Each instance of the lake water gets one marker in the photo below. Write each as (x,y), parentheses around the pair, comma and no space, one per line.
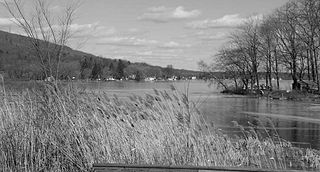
(297,122)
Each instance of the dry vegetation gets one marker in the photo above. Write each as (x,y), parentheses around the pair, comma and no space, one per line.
(67,129)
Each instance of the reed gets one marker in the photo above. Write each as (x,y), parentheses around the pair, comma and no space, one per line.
(67,129)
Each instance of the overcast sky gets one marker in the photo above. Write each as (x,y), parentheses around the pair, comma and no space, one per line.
(158,32)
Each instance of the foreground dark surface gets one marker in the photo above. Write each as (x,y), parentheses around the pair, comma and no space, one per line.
(158,168)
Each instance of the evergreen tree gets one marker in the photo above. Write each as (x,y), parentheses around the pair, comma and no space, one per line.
(96,71)
(139,75)
(120,70)
(1,60)
(111,69)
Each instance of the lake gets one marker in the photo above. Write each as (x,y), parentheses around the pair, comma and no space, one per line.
(297,122)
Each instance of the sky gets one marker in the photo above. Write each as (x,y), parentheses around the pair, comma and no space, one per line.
(158,32)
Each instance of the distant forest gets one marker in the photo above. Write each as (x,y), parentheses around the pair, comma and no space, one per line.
(17,62)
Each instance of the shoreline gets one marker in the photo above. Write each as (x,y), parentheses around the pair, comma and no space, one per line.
(291,95)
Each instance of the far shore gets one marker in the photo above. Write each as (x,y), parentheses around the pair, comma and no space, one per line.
(291,95)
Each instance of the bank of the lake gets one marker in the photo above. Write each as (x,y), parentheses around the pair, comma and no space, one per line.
(69,129)
(221,109)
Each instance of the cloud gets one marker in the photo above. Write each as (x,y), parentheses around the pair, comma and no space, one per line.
(135,41)
(89,30)
(174,45)
(93,30)
(164,14)
(227,21)
(126,41)
(180,13)
(98,31)
(205,35)
(81,31)
(211,36)
(56,8)
(158,9)
(8,1)
(132,32)
(6,22)
(157,53)
(9,21)
(145,53)
(215,37)
(77,30)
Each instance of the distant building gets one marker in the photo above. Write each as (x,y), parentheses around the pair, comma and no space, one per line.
(173,78)
(132,77)
(111,79)
(49,79)
(150,79)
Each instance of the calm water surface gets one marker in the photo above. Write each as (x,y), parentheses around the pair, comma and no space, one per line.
(297,122)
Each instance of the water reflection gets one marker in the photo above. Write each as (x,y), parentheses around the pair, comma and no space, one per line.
(303,132)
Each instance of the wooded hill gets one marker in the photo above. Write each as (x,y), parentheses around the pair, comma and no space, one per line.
(17,62)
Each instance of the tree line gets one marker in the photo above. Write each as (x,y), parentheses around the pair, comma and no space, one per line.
(103,69)
(288,40)
(43,53)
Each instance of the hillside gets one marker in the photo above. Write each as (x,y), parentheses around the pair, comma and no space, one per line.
(17,62)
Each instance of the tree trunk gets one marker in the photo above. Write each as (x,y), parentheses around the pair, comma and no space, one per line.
(236,83)
(313,76)
(267,73)
(276,67)
(294,74)
(270,70)
(317,70)
(308,65)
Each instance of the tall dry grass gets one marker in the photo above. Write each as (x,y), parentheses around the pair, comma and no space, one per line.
(66,129)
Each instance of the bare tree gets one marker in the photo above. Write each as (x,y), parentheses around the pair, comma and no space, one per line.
(48,32)
(247,42)
(289,44)
(235,63)
(240,61)
(287,39)
(267,46)
(270,48)
(308,31)
(211,69)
